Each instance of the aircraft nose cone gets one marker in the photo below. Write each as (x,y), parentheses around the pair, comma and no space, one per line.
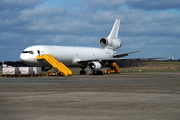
(26,57)
(23,57)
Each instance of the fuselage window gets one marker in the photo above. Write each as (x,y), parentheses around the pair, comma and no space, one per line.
(30,52)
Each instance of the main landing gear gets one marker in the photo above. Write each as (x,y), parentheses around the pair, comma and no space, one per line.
(84,72)
(113,68)
(100,72)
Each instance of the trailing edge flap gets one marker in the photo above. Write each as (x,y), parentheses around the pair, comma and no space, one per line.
(124,54)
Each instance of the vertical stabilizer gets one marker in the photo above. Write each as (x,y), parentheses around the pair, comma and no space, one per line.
(115,30)
(112,41)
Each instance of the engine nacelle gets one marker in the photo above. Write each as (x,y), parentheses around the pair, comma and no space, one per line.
(114,43)
(94,66)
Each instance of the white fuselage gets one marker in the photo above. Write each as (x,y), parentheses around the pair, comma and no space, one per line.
(66,54)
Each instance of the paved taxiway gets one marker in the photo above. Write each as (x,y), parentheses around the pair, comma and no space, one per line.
(116,96)
(85,79)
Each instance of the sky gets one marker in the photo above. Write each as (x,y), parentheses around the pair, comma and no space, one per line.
(149,25)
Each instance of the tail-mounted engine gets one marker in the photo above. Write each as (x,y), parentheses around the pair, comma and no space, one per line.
(94,66)
(114,43)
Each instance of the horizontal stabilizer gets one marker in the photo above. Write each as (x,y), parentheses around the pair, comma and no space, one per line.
(124,54)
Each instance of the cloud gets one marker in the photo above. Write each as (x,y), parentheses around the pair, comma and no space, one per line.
(18,4)
(141,29)
(90,5)
(95,5)
(154,4)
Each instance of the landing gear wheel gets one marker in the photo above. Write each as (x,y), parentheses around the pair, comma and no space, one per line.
(100,72)
(82,72)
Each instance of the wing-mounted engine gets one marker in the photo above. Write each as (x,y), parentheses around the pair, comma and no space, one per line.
(111,43)
(94,66)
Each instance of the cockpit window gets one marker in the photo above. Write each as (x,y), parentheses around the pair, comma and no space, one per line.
(30,52)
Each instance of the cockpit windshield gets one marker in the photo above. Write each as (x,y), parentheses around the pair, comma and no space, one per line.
(30,52)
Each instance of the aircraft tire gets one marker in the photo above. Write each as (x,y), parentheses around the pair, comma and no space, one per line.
(82,72)
(100,72)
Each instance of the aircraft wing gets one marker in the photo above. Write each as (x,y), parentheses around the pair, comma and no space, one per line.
(83,61)
(116,59)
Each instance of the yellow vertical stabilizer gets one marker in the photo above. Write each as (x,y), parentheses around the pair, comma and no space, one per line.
(56,64)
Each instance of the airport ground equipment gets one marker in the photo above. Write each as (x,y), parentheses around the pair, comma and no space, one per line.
(114,68)
(54,72)
(65,71)
(21,75)
(21,72)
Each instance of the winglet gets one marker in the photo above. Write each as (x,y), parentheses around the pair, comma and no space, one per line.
(174,54)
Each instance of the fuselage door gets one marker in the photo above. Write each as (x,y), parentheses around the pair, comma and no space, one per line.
(39,54)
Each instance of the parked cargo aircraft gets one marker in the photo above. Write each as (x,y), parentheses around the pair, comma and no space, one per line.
(85,57)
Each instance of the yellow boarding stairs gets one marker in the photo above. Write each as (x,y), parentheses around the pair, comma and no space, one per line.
(56,64)
(114,68)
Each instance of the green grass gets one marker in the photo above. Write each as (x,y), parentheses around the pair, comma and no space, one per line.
(132,70)
(161,64)
(154,67)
